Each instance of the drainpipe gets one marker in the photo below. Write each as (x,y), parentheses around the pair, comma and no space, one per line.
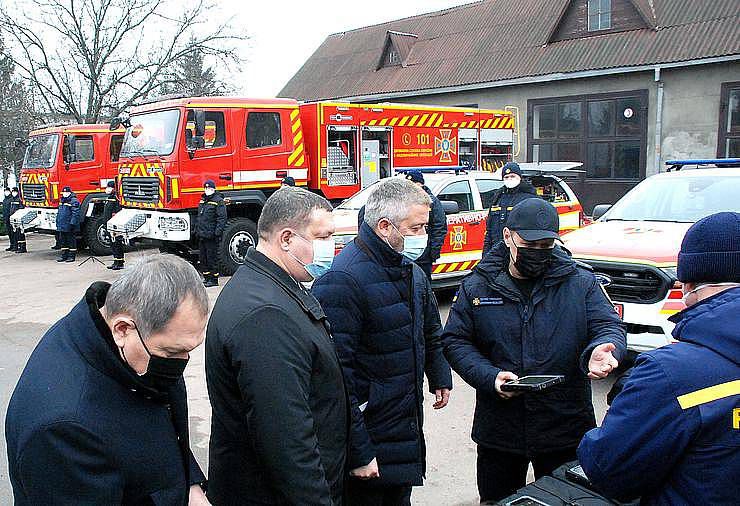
(658,119)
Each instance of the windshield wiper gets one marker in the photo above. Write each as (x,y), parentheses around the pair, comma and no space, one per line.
(141,153)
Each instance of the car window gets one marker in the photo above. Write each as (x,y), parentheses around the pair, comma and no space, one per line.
(487,187)
(459,192)
(550,189)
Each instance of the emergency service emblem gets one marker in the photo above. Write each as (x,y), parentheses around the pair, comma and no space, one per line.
(446,146)
(458,238)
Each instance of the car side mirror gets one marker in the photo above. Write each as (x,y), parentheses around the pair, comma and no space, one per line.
(450,206)
(199,118)
(68,150)
(600,210)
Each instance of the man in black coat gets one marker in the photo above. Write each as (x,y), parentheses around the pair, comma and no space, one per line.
(436,228)
(110,208)
(386,327)
(211,224)
(528,309)
(18,237)
(504,199)
(100,414)
(280,411)
(7,197)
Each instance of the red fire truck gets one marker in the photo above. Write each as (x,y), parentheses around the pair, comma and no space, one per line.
(248,146)
(83,157)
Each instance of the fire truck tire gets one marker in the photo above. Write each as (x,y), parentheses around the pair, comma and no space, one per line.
(239,235)
(95,236)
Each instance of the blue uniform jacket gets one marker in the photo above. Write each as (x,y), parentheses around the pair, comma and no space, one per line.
(68,214)
(493,327)
(386,326)
(82,429)
(673,435)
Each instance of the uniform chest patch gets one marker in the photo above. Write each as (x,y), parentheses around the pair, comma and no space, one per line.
(488,301)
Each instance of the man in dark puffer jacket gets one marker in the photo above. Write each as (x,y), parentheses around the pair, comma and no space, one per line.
(386,326)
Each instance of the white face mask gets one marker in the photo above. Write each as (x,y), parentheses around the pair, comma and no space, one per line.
(210,191)
(512,182)
(65,194)
(702,287)
(413,245)
(109,190)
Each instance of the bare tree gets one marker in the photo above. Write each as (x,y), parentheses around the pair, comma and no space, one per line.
(193,77)
(94,58)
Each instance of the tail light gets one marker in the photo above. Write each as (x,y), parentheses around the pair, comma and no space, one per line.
(674,301)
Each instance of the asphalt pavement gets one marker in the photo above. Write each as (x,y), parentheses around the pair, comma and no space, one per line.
(36,291)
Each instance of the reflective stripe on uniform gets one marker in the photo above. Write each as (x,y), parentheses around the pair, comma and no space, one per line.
(709,394)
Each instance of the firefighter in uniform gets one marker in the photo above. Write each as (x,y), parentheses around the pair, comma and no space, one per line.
(112,206)
(6,219)
(18,238)
(504,199)
(211,223)
(68,223)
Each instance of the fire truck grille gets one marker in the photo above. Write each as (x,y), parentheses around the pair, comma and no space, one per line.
(640,284)
(144,190)
(34,193)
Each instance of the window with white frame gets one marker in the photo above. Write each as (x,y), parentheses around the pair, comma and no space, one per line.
(599,15)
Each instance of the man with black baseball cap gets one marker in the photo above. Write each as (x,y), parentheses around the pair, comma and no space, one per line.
(672,436)
(529,309)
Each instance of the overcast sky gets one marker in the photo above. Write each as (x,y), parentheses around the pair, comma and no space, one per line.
(284,33)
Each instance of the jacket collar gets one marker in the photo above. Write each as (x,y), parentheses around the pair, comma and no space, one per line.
(295,290)
(95,343)
(379,250)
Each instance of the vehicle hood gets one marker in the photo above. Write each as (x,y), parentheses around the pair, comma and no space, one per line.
(345,221)
(651,241)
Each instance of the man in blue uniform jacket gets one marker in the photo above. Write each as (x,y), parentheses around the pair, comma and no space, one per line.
(672,436)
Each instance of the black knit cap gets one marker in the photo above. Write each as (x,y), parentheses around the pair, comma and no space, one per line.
(511,168)
(209,184)
(67,189)
(710,251)
(111,184)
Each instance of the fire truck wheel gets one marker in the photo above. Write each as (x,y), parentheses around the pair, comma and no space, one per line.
(239,235)
(96,237)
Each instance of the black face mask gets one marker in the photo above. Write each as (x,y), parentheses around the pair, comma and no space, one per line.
(532,262)
(162,372)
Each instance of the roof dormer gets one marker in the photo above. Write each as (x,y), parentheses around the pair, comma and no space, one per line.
(587,18)
(396,49)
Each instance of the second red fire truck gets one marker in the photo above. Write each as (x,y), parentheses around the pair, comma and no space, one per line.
(248,146)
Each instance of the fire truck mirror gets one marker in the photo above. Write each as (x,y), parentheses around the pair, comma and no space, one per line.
(200,123)
(20,143)
(450,206)
(115,123)
(68,150)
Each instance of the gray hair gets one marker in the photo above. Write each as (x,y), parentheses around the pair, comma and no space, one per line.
(392,199)
(152,288)
(289,207)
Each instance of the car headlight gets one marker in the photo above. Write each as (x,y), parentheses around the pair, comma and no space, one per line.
(172,223)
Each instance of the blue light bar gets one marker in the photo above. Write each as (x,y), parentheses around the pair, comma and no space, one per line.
(707,161)
(455,168)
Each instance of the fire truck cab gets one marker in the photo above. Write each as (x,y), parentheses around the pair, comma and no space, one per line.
(247,146)
(83,157)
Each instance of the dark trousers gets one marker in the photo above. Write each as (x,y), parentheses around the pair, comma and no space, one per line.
(116,247)
(360,493)
(19,239)
(11,233)
(209,256)
(500,474)
(68,242)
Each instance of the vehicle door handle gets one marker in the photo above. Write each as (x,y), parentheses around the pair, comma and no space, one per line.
(224,176)
(475,222)
(94,183)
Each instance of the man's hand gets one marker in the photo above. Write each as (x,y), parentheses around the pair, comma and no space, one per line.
(502,378)
(197,497)
(602,361)
(442,398)
(366,472)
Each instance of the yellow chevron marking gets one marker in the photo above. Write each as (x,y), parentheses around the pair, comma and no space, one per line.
(383,121)
(413,120)
(422,120)
(296,126)
(393,122)
(439,121)
(465,265)
(373,122)
(403,121)
(432,119)
(296,153)
(453,267)
(488,123)
(294,115)
(300,161)
(439,268)
(709,394)
(297,137)
(454,125)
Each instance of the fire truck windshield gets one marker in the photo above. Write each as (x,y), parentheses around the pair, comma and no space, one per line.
(41,152)
(152,133)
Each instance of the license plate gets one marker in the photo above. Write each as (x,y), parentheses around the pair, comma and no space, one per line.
(619,308)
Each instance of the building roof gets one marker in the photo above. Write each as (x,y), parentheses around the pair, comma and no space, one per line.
(503,40)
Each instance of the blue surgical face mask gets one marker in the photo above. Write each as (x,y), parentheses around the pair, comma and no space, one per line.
(323,256)
(413,245)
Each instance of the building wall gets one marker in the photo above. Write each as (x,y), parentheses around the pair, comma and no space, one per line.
(690,119)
